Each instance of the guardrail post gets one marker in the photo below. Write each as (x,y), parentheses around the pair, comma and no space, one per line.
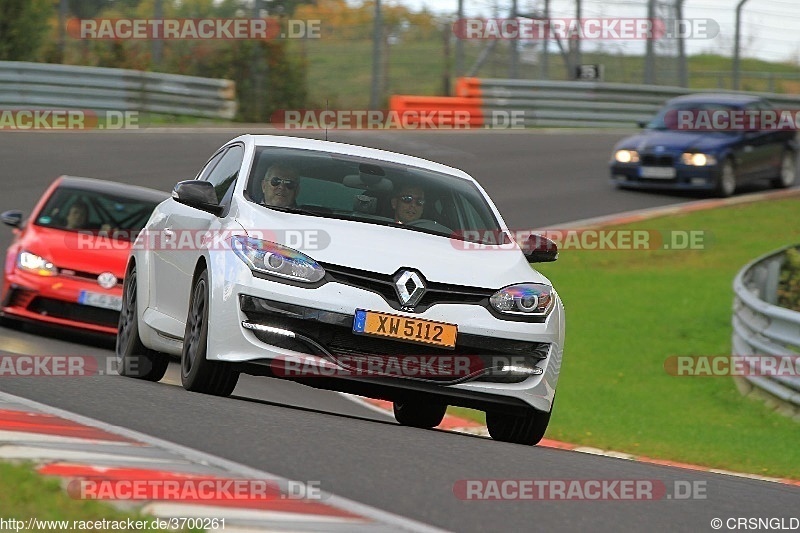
(650,58)
(770,294)
(737,44)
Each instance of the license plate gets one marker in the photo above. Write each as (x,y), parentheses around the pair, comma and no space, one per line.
(97,299)
(660,173)
(405,329)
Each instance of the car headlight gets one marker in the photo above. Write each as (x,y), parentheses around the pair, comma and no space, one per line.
(698,160)
(527,299)
(626,156)
(272,258)
(36,264)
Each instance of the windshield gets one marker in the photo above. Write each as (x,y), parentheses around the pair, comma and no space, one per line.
(369,190)
(667,117)
(75,209)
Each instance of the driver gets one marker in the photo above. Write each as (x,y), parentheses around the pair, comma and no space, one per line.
(408,204)
(280,186)
(78,215)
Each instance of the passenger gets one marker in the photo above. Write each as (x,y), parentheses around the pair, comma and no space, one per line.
(408,204)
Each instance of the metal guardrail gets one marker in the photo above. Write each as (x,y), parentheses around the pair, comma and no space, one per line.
(583,104)
(44,86)
(762,328)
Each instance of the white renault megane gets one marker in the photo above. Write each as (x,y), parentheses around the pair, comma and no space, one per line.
(350,269)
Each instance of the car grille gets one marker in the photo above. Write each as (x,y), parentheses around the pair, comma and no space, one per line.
(383,284)
(83,276)
(74,311)
(333,332)
(652,160)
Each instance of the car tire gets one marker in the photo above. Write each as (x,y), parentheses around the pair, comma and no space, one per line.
(198,374)
(518,429)
(788,173)
(726,183)
(134,359)
(419,414)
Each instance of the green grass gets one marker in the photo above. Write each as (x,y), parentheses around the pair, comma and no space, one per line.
(24,494)
(628,311)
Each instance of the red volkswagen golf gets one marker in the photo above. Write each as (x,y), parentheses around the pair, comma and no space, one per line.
(66,262)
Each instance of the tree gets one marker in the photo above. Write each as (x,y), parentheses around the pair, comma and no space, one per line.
(23,24)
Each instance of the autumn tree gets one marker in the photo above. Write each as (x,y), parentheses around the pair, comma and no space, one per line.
(23,25)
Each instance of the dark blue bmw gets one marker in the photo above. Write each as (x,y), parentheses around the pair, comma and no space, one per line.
(667,155)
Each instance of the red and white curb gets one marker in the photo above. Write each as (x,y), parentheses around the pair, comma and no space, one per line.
(457,424)
(78,449)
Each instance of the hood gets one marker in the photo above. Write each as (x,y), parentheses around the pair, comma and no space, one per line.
(79,252)
(676,141)
(386,249)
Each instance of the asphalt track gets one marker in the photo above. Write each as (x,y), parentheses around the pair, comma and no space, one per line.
(537,179)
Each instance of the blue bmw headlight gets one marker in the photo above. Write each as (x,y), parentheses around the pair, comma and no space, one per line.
(527,299)
(626,156)
(698,159)
(272,258)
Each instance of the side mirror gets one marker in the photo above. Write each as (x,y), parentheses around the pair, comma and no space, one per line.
(540,249)
(198,194)
(11,218)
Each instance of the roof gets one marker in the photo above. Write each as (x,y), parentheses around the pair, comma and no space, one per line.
(716,98)
(111,187)
(353,150)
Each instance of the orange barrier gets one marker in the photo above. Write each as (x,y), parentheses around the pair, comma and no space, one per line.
(438,111)
(468,87)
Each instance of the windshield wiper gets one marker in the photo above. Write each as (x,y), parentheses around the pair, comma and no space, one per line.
(289,209)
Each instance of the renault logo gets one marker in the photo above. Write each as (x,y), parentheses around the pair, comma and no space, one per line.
(409,287)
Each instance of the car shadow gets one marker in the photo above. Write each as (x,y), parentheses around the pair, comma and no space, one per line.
(65,334)
(747,188)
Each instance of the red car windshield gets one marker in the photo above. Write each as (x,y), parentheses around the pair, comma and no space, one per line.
(80,210)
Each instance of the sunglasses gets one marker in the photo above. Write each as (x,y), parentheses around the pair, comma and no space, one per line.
(408,199)
(287,182)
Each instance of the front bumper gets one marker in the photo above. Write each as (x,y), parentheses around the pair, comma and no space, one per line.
(55,301)
(325,315)
(687,178)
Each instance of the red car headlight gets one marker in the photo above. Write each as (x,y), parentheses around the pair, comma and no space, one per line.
(35,264)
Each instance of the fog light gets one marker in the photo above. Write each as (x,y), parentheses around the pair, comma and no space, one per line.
(524,370)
